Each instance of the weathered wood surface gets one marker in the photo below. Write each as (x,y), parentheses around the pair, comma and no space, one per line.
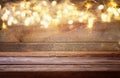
(59,61)
(62,54)
(80,46)
(58,68)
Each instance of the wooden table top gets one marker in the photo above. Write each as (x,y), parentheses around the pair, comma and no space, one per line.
(49,61)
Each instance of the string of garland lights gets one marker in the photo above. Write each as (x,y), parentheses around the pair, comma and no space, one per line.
(51,14)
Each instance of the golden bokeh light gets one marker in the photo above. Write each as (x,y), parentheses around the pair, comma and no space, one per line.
(101,7)
(4,26)
(52,14)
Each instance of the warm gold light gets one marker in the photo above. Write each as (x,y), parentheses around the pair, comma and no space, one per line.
(70,22)
(27,22)
(15,21)
(80,20)
(45,14)
(54,3)
(10,21)
(119,10)
(4,26)
(101,7)
(44,3)
(13,8)
(88,5)
(45,24)
(90,22)
(23,14)
(17,12)
(22,5)
(0,7)
(112,3)
(113,11)
(105,17)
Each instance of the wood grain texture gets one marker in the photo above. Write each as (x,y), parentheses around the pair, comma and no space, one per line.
(58,68)
(58,60)
(48,61)
(62,53)
(80,46)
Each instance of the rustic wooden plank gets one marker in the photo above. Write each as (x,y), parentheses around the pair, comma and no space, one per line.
(59,60)
(63,53)
(82,46)
(63,68)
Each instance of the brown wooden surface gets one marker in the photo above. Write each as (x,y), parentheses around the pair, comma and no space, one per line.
(59,61)
(78,46)
(62,53)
